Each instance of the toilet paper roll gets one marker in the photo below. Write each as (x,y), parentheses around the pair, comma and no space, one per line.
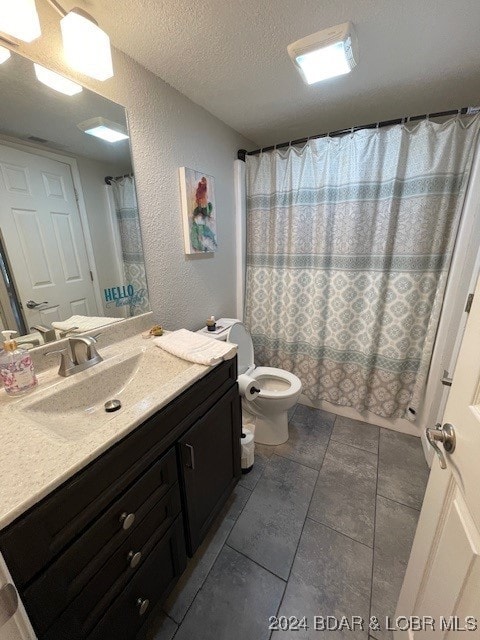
(248,449)
(248,387)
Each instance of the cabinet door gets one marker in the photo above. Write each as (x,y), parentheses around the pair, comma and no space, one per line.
(210,464)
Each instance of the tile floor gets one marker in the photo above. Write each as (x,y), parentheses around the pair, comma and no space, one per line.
(322,525)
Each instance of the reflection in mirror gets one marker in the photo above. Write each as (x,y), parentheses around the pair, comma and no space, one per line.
(71,257)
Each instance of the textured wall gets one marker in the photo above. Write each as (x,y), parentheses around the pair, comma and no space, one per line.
(167,131)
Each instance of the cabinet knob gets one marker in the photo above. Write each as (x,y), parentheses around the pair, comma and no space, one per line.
(134,558)
(127,519)
(142,605)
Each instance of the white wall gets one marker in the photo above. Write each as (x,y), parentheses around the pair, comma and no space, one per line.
(167,131)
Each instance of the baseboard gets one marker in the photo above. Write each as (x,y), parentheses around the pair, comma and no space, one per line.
(397,424)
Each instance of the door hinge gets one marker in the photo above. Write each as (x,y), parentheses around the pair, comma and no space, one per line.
(468,306)
(76,194)
(91,276)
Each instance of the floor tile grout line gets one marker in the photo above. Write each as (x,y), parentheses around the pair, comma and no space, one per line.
(349,444)
(328,526)
(409,506)
(179,624)
(304,521)
(374,530)
(296,549)
(242,553)
(297,462)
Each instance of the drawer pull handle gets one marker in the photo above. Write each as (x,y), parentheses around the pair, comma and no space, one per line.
(192,456)
(134,558)
(127,519)
(142,605)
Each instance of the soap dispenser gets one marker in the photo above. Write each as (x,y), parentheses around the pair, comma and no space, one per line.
(16,367)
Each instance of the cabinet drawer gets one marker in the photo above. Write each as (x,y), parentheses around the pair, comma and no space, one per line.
(51,592)
(153,582)
(87,608)
(36,538)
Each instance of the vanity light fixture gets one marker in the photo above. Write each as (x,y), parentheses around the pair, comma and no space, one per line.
(104,129)
(325,54)
(19,19)
(86,46)
(4,54)
(56,81)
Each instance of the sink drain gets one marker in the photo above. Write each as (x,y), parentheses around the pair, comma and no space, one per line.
(112,405)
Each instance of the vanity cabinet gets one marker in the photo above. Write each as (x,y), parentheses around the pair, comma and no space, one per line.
(94,557)
(210,465)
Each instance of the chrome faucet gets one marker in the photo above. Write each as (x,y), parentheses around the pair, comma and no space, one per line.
(80,354)
(84,351)
(48,334)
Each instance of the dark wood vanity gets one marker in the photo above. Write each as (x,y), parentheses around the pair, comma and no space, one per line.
(93,559)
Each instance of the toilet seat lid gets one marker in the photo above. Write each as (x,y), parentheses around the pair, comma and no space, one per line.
(239,335)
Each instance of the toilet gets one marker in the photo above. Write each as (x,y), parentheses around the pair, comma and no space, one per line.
(279,389)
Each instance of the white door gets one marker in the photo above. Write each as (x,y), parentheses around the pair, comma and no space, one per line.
(442,580)
(43,235)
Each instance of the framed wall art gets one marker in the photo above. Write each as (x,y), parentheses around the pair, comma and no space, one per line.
(197,191)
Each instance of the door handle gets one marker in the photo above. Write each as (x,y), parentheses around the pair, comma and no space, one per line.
(31,304)
(444,435)
(192,456)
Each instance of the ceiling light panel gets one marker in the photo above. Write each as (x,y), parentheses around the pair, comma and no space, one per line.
(104,129)
(325,54)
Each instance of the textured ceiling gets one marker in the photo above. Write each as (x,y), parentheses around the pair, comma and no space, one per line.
(32,109)
(416,56)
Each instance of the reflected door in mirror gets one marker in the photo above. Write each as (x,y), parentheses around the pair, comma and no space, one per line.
(41,227)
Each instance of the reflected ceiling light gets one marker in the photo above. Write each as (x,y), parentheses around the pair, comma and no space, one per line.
(104,129)
(4,54)
(56,81)
(325,54)
(19,18)
(86,46)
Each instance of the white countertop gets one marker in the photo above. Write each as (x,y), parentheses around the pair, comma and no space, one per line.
(35,460)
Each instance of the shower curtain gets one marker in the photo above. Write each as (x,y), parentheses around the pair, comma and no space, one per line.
(126,210)
(349,242)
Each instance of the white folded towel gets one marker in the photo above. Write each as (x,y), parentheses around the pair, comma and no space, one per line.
(196,347)
(83,323)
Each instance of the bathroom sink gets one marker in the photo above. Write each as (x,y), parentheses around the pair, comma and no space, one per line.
(74,407)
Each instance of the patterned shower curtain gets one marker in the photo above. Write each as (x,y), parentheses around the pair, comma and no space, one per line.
(349,242)
(126,210)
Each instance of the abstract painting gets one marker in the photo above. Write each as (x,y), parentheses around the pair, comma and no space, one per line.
(197,191)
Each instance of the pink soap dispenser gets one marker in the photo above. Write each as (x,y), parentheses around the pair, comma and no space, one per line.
(16,367)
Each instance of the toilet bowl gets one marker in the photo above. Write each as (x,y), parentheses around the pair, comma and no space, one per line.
(279,390)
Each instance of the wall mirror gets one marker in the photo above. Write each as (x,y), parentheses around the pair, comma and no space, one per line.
(71,257)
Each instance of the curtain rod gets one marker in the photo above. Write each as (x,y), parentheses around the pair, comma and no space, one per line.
(108,179)
(243,153)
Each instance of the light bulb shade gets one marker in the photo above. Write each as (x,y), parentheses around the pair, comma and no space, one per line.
(4,54)
(19,18)
(56,81)
(325,54)
(86,46)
